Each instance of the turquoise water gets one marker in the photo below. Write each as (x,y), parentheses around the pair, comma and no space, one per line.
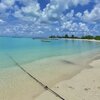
(25,50)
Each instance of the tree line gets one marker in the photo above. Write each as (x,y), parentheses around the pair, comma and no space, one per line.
(76,37)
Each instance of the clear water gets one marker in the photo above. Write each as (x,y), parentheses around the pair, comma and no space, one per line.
(25,50)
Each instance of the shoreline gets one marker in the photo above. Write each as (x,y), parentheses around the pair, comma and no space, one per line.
(66,69)
(92,40)
(83,86)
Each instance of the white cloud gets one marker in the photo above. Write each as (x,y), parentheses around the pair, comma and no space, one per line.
(32,9)
(83,27)
(55,8)
(8,3)
(2,7)
(79,15)
(94,15)
(51,18)
(2,21)
(74,27)
(30,12)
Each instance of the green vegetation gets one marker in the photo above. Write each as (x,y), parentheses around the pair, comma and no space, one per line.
(97,38)
(52,36)
(87,37)
(74,37)
(65,36)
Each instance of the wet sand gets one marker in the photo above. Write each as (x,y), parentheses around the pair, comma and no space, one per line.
(63,71)
(83,86)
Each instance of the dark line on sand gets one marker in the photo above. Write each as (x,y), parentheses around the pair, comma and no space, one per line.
(43,85)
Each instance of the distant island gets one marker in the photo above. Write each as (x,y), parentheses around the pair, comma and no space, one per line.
(76,37)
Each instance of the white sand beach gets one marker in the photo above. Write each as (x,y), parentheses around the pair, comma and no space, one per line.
(71,78)
(83,86)
(49,49)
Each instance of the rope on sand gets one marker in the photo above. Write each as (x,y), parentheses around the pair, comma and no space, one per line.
(39,82)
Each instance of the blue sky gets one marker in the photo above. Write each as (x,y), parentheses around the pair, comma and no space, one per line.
(39,18)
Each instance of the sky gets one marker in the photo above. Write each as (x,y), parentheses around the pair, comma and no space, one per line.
(42,18)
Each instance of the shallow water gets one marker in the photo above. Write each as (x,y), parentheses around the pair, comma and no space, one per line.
(25,50)
(50,62)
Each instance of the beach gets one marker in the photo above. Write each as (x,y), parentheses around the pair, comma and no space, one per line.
(71,69)
(83,86)
(76,81)
(49,49)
